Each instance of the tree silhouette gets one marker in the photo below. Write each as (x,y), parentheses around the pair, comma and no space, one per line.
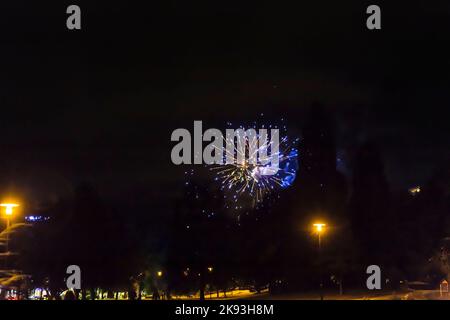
(80,231)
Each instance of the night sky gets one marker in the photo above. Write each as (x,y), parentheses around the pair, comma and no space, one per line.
(100,104)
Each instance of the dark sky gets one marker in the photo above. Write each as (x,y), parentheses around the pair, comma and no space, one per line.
(100,104)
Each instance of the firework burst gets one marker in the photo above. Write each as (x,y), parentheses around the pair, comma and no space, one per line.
(246,185)
(256,179)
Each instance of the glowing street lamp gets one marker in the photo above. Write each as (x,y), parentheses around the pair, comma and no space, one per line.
(159,274)
(210,269)
(8,213)
(9,208)
(319,228)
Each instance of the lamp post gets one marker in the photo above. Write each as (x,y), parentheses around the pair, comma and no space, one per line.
(8,214)
(319,228)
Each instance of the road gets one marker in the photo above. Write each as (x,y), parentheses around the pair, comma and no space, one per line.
(410,295)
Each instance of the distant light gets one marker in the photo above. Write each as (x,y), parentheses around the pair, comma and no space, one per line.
(159,273)
(414,191)
(36,218)
(210,269)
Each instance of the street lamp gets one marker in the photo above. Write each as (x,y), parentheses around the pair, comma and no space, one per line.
(9,208)
(159,274)
(319,228)
(8,213)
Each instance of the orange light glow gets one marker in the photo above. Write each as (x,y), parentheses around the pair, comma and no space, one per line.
(319,227)
(9,207)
